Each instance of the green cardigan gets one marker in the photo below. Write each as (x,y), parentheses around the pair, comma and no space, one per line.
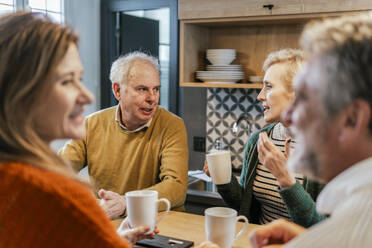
(298,199)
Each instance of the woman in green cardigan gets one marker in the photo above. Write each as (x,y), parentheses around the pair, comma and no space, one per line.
(267,191)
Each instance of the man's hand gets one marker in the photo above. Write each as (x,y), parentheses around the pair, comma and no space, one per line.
(132,235)
(276,234)
(112,203)
(274,160)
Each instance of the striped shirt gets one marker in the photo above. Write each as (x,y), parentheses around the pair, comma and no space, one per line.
(265,185)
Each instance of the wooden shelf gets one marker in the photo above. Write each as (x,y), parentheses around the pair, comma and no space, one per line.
(252,44)
(253,35)
(222,85)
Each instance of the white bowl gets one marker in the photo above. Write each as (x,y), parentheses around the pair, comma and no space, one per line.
(220,54)
(221,51)
(221,60)
(220,72)
(221,57)
(223,68)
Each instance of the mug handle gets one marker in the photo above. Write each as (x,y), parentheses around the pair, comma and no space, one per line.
(166,211)
(241,217)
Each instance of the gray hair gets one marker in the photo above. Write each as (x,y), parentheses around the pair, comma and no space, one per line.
(293,57)
(121,66)
(344,47)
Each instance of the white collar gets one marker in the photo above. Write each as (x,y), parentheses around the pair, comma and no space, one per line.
(281,132)
(357,177)
(120,123)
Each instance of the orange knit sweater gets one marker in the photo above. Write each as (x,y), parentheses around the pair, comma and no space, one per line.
(39,208)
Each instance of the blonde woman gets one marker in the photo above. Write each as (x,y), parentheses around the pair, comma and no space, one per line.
(42,98)
(267,191)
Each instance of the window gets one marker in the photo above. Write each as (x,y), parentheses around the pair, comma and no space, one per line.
(53,8)
(6,6)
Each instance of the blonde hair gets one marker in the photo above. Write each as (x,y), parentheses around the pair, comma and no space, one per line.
(343,46)
(294,59)
(31,48)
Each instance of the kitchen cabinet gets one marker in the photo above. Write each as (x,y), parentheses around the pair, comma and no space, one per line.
(197,9)
(253,37)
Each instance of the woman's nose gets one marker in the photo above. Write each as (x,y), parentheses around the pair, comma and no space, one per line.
(261,95)
(87,95)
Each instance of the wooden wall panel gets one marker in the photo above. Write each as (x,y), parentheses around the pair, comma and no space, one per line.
(196,9)
(252,43)
(193,43)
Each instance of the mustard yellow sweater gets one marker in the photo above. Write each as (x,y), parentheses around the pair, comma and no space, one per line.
(154,158)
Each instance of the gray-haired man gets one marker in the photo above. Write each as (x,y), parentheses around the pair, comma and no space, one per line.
(136,144)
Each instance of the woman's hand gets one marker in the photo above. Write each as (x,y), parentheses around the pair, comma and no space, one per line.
(205,168)
(274,160)
(132,235)
(276,234)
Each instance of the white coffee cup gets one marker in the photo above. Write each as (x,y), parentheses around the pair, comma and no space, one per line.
(220,225)
(219,165)
(142,208)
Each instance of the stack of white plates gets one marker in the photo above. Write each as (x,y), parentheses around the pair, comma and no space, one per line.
(221,71)
(224,67)
(221,56)
(220,76)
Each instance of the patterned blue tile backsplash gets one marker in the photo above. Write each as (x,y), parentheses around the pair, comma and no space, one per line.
(224,107)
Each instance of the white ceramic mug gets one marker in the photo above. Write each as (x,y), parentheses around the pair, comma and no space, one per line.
(220,225)
(142,208)
(219,165)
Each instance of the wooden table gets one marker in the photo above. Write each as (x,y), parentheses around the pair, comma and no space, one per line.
(191,227)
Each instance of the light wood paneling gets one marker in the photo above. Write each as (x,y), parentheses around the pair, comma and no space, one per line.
(196,9)
(193,43)
(252,42)
(191,9)
(253,37)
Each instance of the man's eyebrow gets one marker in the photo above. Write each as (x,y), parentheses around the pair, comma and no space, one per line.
(145,86)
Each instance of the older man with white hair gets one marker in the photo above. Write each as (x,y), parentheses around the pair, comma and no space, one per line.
(332,120)
(136,144)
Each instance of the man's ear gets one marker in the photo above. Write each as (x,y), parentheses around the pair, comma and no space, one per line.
(355,120)
(116,90)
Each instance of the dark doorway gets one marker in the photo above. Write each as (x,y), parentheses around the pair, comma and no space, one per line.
(150,26)
(138,33)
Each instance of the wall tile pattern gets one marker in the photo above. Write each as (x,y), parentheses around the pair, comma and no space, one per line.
(224,106)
